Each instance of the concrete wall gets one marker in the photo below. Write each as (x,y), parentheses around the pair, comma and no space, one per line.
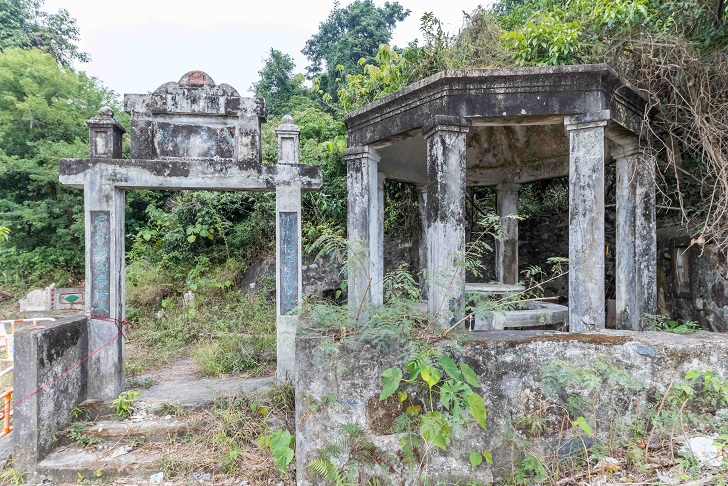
(42,354)
(338,385)
(692,281)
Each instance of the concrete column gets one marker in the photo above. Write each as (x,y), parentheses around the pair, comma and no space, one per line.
(636,238)
(365,227)
(646,237)
(506,249)
(105,284)
(288,277)
(377,242)
(422,205)
(104,208)
(289,283)
(586,220)
(445,218)
(626,279)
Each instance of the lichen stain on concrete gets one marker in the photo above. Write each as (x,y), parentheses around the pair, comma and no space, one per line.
(381,415)
(56,345)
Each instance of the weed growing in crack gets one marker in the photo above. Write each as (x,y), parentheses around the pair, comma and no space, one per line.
(124,405)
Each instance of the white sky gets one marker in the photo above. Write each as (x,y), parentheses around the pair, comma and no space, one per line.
(141,44)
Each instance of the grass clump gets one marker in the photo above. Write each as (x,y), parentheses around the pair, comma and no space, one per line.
(228,440)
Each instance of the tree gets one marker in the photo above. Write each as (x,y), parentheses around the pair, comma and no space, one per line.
(24,25)
(348,35)
(42,111)
(277,82)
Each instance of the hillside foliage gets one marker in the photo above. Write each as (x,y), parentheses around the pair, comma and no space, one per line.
(674,51)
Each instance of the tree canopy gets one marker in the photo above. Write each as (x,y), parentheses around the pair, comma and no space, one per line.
(277,83)
(349,34)
(23,24)
(42,112)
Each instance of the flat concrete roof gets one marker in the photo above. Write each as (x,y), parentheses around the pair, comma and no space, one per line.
(517,119)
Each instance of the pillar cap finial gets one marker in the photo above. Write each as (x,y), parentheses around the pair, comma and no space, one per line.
(287,125)
(626,148)
(105,118)
(508,186)
(445,122)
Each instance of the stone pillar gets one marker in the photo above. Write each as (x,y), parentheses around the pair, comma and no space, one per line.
(586,220)
(636,237)
(365,228)
(422,205)
(506,249)
(104,207)
(289,285)
(445,218)
(377,243)
(626,279)
(646,237)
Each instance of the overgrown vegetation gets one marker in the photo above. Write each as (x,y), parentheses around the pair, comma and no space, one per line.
(234,439)
(223,330)
(606,429)
(123,406)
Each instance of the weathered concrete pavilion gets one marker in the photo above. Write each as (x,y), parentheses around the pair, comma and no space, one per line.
(503,128)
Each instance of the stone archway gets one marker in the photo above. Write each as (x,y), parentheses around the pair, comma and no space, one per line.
(190,135)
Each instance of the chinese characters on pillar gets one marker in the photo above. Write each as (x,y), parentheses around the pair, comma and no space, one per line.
(289,262)
(100,263)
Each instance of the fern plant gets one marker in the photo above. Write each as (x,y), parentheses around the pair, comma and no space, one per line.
(353,447)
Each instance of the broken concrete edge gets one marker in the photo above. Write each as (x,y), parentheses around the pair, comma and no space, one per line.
(51,378)
(485,93)
(340,386)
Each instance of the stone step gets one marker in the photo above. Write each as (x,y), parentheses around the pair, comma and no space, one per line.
(72,465)
(159,430)
(104,410)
